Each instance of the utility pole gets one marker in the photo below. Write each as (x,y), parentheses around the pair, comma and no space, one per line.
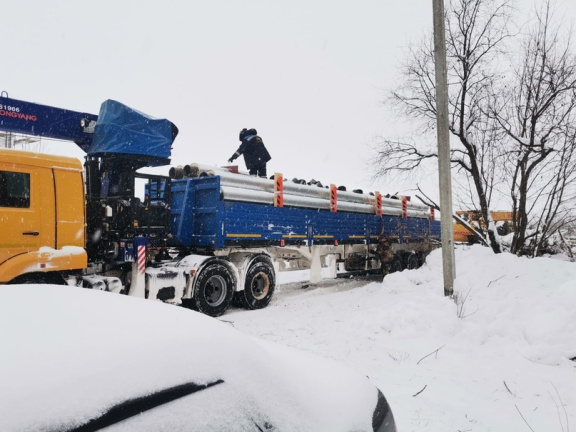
(443,135)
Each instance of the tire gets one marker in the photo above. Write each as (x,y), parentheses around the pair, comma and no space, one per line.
(397,264)
(52,278)
(412,261)
(259,286)
(126,279)
(214,289)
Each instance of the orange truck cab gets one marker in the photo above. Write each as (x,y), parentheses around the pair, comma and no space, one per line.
(42,216)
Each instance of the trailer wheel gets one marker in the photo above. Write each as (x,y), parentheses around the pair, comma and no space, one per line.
(213,290)
(259,286)
(412,261)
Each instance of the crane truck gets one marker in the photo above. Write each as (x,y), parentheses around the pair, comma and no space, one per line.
(200,237)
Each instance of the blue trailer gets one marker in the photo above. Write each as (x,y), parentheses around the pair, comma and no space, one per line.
(236,240)
(201,219)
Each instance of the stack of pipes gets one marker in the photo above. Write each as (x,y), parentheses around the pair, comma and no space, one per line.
(246,188)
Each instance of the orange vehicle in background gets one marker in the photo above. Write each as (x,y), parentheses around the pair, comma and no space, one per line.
(474,218)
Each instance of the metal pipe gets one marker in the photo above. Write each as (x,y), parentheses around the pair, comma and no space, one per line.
(176,172)
(257,183)
(262,197)
(196,170)
(253,183)
(191,171)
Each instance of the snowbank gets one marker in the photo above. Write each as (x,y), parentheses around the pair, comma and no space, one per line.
(494,360)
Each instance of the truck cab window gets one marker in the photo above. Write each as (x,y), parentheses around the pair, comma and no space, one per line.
(14,189)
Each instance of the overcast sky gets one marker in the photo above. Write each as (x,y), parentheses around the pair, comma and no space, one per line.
(308,75)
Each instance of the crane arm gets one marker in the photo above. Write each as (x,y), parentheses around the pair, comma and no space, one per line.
(46,121)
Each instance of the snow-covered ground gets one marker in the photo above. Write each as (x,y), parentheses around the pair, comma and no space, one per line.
(497,361)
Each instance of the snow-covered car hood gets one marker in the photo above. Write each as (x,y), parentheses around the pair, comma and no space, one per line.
(69,355)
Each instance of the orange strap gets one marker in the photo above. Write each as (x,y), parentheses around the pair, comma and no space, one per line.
(278,190)
(333,198)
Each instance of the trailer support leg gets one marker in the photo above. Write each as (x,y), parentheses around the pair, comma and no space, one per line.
(332,265)
(315,266)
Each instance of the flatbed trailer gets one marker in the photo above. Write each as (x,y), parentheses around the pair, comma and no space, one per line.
(235,229)
(202,219)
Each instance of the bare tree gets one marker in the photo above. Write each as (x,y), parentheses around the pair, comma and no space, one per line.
(476,31)
(537,111)
(555,210)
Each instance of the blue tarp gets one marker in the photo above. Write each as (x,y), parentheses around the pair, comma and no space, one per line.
(123,130)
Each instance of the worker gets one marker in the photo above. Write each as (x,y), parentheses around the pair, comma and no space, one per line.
(255,154)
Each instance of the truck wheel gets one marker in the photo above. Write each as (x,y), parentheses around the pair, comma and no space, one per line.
(259,286)
(412,262)
(397,264)
(53,278)
(213,290)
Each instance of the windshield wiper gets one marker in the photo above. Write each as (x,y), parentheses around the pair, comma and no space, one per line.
(132,407)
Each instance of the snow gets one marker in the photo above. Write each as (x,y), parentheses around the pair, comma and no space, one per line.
(496,359)
(67,353)
(48,254)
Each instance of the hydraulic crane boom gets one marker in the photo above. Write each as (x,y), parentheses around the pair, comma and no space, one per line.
(118,142)
(47,121)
